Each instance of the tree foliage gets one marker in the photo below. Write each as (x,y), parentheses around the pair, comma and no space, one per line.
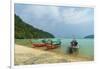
(89,36)
(26,31)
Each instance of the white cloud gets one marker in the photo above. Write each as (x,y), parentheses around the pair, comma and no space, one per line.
(75,16)
(67,15)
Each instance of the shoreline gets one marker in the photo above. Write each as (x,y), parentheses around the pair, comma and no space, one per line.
(25,55)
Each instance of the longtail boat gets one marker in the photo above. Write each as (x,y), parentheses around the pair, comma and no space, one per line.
(38,44)
(49,44)
(51,47)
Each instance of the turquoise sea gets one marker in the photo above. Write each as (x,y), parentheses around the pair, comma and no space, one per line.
(86,46)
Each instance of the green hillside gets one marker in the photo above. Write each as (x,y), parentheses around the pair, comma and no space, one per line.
(89,36)
(26,31)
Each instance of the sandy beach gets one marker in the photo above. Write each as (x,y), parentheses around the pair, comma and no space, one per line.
(26,56)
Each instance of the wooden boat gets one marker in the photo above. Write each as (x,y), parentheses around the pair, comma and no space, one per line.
(38,44)
(49,46)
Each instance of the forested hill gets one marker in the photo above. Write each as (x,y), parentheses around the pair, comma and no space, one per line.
(89,36)
(26,31)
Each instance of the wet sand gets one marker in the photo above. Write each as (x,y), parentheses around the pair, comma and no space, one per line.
(26,56)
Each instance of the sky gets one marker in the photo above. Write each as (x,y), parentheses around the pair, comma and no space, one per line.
(61,21)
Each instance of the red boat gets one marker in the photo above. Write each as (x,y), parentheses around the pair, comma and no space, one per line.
(51,46)
(38,44)
(48,46)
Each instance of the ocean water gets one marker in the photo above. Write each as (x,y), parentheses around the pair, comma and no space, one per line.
(86,46)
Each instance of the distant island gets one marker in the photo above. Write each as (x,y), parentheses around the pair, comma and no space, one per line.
(89,36)
(26,31)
